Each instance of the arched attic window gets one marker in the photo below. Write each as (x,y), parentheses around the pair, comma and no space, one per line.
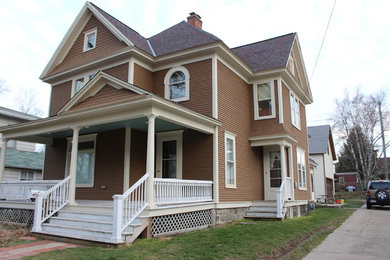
(177,84)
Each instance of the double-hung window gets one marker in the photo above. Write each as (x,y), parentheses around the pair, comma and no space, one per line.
(295,115)
(80,82)
(264,100)
(230,160)
(301,169)
(27,175)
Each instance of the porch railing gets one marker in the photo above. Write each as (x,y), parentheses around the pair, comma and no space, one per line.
(175,191)
(128,206)
(21,190)
(280,198)
(49,202)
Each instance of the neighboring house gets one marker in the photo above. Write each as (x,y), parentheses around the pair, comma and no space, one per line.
(201,132)
(322,151)
(380,163)
(22,162)
(345,179)
(313,166)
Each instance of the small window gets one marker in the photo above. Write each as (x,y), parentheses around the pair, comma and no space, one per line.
(341,180)
(27,176)
(301,169)
(90,40)
(264,100)
(295,115)
(78,85)
(177,84)
(11,144)
(230,161)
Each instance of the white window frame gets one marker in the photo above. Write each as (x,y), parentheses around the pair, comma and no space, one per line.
(341,182)
(87,77)
(86,34)
(170,136)
(27,172)
(231,136)
(82,139)
(186,82)
(301,160)
(295,111)
(256,103)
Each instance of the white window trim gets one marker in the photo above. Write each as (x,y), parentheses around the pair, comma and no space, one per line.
(232,136)
(83,138)
(187,83)
(298,125)
(83,76)
(170,136)
(291,65)
(256,103)
(86,34)
(301,152)
(28,171)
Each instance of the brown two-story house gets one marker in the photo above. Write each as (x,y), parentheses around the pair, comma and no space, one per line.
(179,127)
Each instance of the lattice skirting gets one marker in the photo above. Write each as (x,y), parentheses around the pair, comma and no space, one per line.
(23,217)
(182,222)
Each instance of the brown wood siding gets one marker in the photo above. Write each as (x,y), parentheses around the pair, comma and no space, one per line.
(109,162)
(197,156)
(266,127)
(55,160)
(60,95)
(235,110)
(106,95)
(143,78)
(200,86)
(106,44)
(120,72)
(137,155)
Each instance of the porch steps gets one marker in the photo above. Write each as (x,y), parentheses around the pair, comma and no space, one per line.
(95,227)
(265,211)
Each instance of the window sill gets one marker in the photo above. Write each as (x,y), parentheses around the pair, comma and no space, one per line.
(264,117)
(179,99)
(297,127)
(303,189)
(230,186)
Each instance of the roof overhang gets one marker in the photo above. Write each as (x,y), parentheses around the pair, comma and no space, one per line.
(271,140)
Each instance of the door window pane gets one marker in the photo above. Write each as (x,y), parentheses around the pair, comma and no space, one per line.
(275,170)
(169,159)
(84,168)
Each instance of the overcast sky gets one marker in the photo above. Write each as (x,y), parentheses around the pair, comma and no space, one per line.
(355,53)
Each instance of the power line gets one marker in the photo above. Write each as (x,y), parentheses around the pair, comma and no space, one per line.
(323,40)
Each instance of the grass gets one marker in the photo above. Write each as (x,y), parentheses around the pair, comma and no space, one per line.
(353,199)
(239,240)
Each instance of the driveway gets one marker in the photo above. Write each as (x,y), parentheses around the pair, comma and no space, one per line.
(364,235)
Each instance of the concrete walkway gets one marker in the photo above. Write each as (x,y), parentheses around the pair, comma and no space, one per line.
(15,252)
(364,235)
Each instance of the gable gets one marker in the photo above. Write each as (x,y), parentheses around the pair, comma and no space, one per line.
(106,43)
(108,94)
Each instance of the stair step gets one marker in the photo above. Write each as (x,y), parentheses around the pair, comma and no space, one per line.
(85,216)
(250,214)
(263,209)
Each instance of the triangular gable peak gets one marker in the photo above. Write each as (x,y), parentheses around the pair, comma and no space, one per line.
(100,87)
(74,31)
(296,66)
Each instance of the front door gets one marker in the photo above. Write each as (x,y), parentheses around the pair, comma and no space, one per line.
(272,173)
(169,155)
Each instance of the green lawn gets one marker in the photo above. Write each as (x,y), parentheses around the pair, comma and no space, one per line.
(239,240)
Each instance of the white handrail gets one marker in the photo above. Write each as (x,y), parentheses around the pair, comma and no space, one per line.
(21,190)
(280,198)
(176,191)
(128,206)
(49,202)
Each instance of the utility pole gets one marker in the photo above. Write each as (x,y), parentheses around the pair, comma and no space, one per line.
(383,142)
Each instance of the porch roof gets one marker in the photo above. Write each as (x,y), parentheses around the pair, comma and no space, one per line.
(126,113)
(271,140)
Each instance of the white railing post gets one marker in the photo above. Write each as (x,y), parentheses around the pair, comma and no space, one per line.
(2,158)
(117,220)
(280,200)
(150,160)
(38,213)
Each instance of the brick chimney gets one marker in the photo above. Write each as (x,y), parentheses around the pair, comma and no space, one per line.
(195,20)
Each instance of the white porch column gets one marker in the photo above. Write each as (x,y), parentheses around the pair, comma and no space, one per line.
(283,162)
(73,166)
(215,166)
(2,158)
(150,159)
(126,167)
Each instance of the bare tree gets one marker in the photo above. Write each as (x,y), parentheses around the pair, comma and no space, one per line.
(26,102)
(357,123)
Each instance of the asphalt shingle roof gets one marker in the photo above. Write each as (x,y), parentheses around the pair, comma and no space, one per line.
(268,54)
(318,139)
(24,160)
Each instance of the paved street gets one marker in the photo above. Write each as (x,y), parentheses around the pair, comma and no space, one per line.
(365,235)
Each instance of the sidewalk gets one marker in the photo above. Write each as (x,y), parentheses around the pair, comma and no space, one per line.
(364,235)
(15,252)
